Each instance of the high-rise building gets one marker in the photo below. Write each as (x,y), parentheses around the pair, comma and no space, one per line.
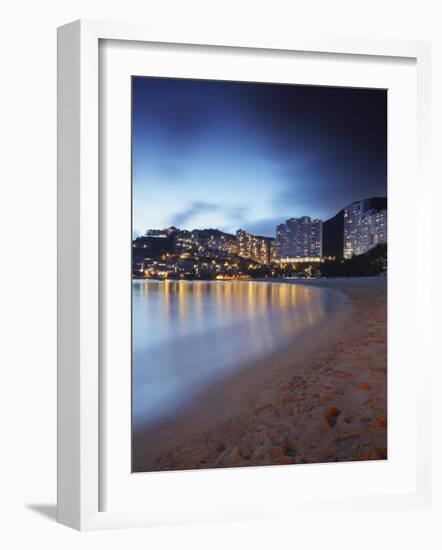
(254,247)
(374,229)
(299,238)
(316,239)
(281,241)
(365,226)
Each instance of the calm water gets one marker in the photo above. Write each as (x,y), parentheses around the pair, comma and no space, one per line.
(188,334)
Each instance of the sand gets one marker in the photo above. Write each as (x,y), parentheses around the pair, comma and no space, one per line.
(322,401)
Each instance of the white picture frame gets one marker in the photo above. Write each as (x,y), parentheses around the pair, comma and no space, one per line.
(79,293)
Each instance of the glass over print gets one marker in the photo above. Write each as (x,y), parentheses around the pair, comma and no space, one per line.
(259,261)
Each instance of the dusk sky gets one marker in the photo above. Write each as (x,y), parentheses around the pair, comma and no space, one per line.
(229,155)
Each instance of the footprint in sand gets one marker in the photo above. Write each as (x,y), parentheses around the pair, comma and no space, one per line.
(363,386)
(331,416)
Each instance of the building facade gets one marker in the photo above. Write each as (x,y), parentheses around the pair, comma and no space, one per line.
(281,241)
(374,230)
(364,227)
(299,238)
(259,249)
(316,239)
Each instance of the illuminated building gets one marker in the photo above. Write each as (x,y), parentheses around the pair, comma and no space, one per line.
(299,238)
(365,226)
(375,228)
(220,241)
(281,241)
(254,247)
(202,241)
(316,239)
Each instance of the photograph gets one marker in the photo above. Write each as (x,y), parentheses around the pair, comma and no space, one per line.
(259,274)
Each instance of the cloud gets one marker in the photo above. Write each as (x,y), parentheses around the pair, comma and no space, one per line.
(293,150)
(235,214)
(265,227)
(195,208)
(321,191)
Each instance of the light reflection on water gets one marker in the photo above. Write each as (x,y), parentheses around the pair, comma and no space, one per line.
(188,334)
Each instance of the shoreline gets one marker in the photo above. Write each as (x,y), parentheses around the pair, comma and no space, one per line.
(320,402)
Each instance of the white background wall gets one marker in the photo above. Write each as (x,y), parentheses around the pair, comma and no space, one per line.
(28,276)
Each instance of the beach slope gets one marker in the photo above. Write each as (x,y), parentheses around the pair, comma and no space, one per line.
(322,402)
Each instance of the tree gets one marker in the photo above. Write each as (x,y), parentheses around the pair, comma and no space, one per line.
(369,264)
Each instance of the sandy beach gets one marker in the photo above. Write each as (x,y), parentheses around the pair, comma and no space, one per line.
(322,401)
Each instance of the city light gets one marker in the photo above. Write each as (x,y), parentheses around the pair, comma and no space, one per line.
(295,251)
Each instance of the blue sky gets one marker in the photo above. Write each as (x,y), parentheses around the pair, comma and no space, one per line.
(227,155)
